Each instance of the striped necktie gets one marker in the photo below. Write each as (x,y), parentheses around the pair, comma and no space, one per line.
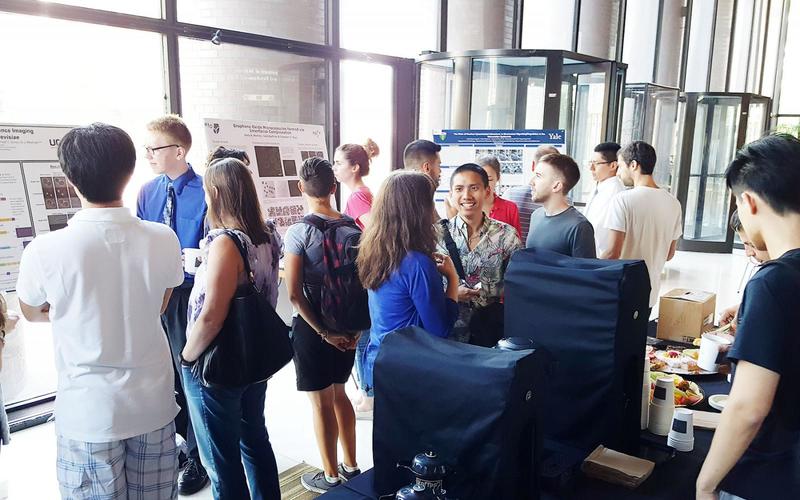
(169,207)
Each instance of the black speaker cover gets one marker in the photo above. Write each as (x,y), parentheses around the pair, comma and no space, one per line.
(590,316)
(474,406)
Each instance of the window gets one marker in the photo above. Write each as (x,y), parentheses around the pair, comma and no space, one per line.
(598,28)
(367,111)
(487,24)
(89,82)
(246,83)
(402,29)
(641,26)
(790,81)
(547,24)
(296,19)
(700,40)
(148,8)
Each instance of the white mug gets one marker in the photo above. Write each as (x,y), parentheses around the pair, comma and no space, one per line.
(191,259)
(710,347)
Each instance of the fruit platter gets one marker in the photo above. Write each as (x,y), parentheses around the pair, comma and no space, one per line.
(678,360)
(687,393)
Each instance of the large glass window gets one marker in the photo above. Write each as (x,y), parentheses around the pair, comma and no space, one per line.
(598,28)
(485,24)
(790,81)
(638,51)
(401,29)
(435,97)
(670,42)
(700,42)
(771,54)
(547,24)
(246,83)
(297,20)
(367,111)
(508,93)
(744,19)
(148,8)
(89,82)
(722,41)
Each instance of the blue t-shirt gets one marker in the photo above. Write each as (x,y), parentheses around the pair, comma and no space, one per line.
(189,210)
(413,295)
(768,335)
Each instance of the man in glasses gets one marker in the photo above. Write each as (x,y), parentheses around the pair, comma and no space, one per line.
(603,166)
(176,198)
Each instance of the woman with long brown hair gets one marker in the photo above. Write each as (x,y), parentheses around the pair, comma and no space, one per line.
(229,421)
(398,265)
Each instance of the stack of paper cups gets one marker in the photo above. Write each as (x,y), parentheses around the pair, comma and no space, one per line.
(645,394)
(662,407)
(681,435)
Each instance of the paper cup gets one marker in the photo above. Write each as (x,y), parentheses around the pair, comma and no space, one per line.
(710,347)
(682,425)
(191,259)
(662,407)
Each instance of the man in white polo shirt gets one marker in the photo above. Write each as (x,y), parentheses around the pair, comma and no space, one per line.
(102,282)
(603,166)
(644,222)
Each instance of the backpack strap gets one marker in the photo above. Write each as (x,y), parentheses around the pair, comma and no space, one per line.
(452,249)
(316,221)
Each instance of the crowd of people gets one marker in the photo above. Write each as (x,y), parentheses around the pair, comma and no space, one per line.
(111,282)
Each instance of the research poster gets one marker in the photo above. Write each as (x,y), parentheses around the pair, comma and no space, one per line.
(276,151)
(513,148)
(35,196)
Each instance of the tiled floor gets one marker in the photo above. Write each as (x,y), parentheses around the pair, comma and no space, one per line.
(27,466)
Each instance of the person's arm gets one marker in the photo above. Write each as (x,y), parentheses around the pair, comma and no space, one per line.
(165,300)
(729,315)
(293,275)
(223,268)
(750,400)
(515,219)
(583,244)
(615,241)
(35,314)
(140,203)
(671,252)
(437,309)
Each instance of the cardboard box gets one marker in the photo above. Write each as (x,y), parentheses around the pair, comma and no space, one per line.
(684,315)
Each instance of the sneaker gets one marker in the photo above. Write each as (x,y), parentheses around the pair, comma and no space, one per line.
(317,483)
(193,479)
(346,476)
(182,460)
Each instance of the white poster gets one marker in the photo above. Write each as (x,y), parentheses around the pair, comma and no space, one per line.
(35,196)
(514,149)
(276,151)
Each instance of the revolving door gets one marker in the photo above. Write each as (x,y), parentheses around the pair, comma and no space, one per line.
(524,89)
(715,126)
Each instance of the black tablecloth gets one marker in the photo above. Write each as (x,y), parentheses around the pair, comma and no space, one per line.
(673,478)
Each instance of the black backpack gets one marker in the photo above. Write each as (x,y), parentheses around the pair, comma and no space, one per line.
(343,300)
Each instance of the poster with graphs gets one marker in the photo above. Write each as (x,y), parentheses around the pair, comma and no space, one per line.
(276,151)
(514,149)
(35,197)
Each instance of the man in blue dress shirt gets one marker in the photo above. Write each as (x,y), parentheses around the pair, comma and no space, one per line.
(176,198)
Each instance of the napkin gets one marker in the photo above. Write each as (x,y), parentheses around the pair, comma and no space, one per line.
(615,467)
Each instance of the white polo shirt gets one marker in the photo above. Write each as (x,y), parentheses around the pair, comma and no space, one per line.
(104,276)
(597,210)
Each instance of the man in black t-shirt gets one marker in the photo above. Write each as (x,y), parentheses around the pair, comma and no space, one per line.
(756,449)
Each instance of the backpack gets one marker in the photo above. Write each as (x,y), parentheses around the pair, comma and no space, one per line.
(343,300)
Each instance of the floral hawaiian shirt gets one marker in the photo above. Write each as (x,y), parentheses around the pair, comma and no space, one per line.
(485,263)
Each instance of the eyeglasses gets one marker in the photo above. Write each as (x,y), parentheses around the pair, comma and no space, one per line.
(595,163)
(150,150)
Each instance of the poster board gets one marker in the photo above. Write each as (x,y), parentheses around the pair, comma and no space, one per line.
(35,197)
(276,151)
(513,148)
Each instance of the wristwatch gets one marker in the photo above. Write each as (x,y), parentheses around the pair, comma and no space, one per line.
(323,333)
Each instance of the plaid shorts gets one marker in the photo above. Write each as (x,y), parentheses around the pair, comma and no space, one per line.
(143,467)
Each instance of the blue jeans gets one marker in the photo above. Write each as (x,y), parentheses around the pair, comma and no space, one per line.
(230,430)
(360,348)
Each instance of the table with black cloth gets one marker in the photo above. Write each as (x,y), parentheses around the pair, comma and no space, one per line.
(672,478)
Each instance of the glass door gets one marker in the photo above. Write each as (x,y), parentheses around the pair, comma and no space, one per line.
(583,116)
(713,129)
(507,93)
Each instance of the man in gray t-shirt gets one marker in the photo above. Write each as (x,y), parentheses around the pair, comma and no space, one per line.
(557,226)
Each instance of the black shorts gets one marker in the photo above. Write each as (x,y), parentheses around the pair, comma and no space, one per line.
(317,363)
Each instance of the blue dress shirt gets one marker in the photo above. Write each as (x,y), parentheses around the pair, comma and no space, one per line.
(189,211)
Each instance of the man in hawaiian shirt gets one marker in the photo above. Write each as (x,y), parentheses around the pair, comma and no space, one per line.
(484,245)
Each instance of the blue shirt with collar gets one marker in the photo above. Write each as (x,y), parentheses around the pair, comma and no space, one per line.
(189,209)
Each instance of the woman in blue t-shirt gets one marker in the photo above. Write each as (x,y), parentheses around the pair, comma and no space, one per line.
(398,266)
